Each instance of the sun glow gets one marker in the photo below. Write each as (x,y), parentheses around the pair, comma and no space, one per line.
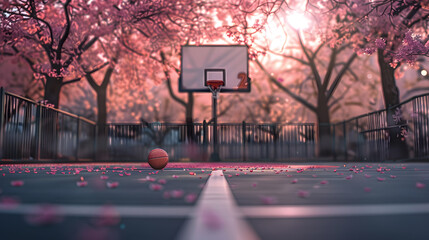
(298,20)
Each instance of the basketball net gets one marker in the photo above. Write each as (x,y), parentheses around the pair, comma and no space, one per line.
(215,86)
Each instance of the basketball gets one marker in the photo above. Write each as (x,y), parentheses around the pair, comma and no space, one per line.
(158,158)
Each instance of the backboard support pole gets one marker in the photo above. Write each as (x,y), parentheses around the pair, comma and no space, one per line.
(214,157)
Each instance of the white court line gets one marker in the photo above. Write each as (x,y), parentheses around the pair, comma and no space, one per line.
(97,210)
(217,215)
(310,211)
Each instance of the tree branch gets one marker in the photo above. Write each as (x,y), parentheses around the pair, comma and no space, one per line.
(167,76)
(313,67)
(286,90)
(340,75)
(66,32)
(331,67)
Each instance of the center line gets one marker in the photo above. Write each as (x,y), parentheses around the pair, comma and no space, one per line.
(217,215)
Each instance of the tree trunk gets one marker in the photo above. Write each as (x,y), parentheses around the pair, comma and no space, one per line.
(49,120)
(102,143)
(53,90)
(398,148)
(324,130)
(190,117)
(101,105)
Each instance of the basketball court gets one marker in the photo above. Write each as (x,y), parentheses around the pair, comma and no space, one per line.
(215,201)
(206,200)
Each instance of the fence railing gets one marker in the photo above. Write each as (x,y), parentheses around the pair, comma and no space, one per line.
(192,142)
(31,130)
(400,132)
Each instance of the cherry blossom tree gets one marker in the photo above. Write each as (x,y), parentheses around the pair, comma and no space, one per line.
(52,35)
(397,31)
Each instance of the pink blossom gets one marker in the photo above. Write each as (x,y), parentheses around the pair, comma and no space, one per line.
(380,179)
(162,181)
(367,189)
(103,177)
(324,182)
(294,181)
(254,184)
(420,185)
(349,177)
(380,43)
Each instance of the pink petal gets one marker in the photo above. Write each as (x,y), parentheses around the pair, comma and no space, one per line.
(81,183)
(367,189)
(150,179)
(349,177)
(303,194)
(177,194)
(367,175)
(380,179)
(155,187)
(17,183)
(112,184)
(44,215)
(175,176)
(420,185)
(212,220)
(392,176)
(294,181)
(269,200)
(103,177)
(254,184)
(108,216)
(324,182)
(190,198)
(162,181)
(166,195)
(9,202)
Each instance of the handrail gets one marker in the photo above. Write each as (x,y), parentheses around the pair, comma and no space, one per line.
(383,110)
(54,109)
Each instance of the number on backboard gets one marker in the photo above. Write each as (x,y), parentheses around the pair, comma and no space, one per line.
(243,83)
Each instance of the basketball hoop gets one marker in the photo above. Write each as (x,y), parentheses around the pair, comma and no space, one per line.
(215,86)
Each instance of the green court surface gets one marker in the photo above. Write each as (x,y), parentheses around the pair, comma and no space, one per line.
(215,201)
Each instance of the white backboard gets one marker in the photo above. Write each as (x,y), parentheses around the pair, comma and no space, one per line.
(229,63)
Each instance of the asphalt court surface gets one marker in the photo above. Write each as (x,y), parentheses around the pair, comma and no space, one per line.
(133,201)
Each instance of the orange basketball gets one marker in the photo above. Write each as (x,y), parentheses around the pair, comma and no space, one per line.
(158,158)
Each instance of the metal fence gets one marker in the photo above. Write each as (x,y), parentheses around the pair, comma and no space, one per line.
(400,132)
(194,142)
(31,130)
